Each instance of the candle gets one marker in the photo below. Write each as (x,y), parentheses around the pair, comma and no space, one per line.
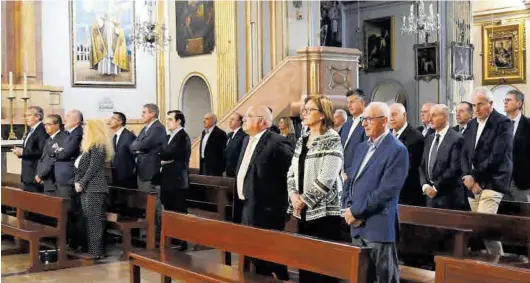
(411,9)
(25,93)
(404,19)
(11,94)
(25,62)
(431,11)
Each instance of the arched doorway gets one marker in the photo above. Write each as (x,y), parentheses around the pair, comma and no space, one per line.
(196,101)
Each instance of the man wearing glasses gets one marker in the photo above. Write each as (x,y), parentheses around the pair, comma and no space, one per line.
(370,195)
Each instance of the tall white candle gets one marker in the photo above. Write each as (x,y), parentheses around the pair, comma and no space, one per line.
(11,94)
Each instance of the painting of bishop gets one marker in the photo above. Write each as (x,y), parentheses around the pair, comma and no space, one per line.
(102,49)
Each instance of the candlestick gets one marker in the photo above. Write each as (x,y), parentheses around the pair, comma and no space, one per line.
(12,135)
(431,11)
(411,9)
(25,93)
(10,94)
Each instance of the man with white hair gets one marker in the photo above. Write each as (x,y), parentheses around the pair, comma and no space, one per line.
(212,147)
(413,140)
(339,118)
(487,158)
(440,169)
(370,196)
(425,129)
(261,181)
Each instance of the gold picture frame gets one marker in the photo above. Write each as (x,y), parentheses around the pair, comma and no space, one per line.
(503,60)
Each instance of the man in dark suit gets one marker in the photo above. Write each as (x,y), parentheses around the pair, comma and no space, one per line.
(212,147)
(123,165)
(464,114)
(441,169)
(146,149)
(352,132)
(370,195)
(487,158)
(234,143)
(413,140)
(520,185)
(45,167)
(340,117)
(261,173)
(32,148)
(425,129)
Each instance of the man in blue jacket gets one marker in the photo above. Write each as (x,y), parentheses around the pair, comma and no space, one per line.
(371,194)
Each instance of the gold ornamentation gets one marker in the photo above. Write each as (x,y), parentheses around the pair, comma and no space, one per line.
(339,77)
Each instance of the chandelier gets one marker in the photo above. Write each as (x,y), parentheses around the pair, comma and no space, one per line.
(150,35)
(421,24)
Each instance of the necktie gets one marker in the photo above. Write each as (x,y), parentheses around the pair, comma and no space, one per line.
(433,154)
(244,167)
(461,130)
(115,142)
(27,137)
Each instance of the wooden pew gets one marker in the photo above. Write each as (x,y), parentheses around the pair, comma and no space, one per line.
(454,270)
(211,196)
(130,209)
(33,232)
(514,208)
(333,259)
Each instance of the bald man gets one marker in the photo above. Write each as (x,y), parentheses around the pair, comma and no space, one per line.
(213,143)
(440,169)
(425,129)
(261,180)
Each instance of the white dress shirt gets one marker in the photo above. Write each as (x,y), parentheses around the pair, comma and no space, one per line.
(400,131)
(480,129)
(245,162)
(356,122)
(442,134)
(516,123)
(207,133)
(172,134)
(118,134)
(31,132)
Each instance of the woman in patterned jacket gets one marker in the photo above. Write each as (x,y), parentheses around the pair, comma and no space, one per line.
(315,180)
(90,182)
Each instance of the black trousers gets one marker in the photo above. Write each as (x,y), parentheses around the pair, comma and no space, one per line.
(33,187)
(325,228)
(174,199)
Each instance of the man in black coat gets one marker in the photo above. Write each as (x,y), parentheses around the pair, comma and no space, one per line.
(464,114)
(212,147)
(45,167)
(425,129)
(440,169)
(487,158)
(32,148)
(234,143)
(123,165)
(411,193)
(520,185)
(261,173)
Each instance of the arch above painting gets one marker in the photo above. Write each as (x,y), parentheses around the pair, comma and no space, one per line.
(499,92)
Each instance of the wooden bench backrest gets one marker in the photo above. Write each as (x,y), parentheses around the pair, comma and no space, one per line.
(454,270)
(212,180)
(495,225)
(514,208)
(333,259)
(207,192)
(34,202)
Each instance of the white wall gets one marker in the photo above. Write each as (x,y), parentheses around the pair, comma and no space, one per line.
(417,92)
(56,56)
(298,30)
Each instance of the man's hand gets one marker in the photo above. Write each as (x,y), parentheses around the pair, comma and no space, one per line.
(37,179)
(430,192)
(17,151)
(348,216)
(469,181)
(477,189)
(78,187)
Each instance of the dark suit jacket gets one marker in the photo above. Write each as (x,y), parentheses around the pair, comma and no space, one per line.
(90,173)
(492,157)
(521,154)
(411,192)
(146,148)
(265,186)
(213,163)
(175,175)
(64,159)
(275,129)
(357,137)
(373,195)
(447,170)
(232,151)
(123,165)
(457,129)
(32,152)
(46,164)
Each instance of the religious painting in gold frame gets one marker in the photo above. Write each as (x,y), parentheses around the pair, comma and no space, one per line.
(102,51)
(503,59)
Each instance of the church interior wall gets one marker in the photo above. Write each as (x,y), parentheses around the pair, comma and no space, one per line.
(297,29)
(57,69)
(404,69)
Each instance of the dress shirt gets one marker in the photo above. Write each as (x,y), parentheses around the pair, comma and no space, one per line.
(516,123)
(72,129)
(233,135)
(442,134)
(149,125)
(32,130)
(173,133)
(356,122)
(207,133)
(118,133)
(245,162)
(372,146)
(400,131)
(480,129)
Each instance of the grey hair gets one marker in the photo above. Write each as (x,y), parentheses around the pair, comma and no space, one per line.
(381,106)
(400,106)
(153,108)
(519,96)
(443,108)
(37,110)
(342,113)
(78,114)
(484,91)
(266,113)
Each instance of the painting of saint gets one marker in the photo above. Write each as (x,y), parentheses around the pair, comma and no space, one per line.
(378,44)
(503,53)
(102,49)
(195,27)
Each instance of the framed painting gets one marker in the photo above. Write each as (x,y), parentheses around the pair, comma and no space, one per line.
(427,61)
(462,61)
(102,52)
(504,54)
(195,27)
(379,44)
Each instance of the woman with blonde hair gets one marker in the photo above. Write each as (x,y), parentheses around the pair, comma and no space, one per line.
(287,130)
(90,182)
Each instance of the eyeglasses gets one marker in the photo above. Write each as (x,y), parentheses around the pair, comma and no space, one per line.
(370,120)
(309,110)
